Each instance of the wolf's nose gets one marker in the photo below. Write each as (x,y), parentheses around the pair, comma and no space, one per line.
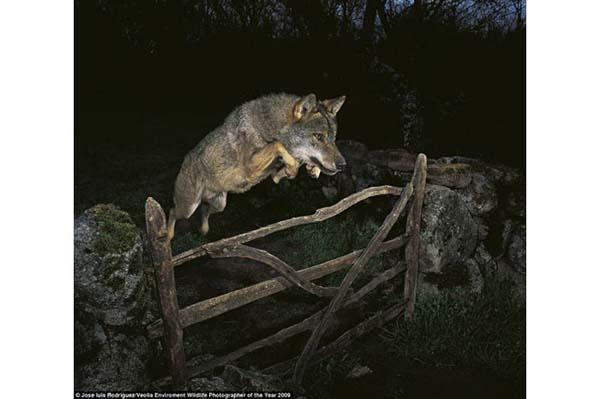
(340,165)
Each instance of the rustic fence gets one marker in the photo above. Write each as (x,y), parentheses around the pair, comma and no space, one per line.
(174,319)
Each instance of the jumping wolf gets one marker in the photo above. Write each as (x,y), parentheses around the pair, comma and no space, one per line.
(270,136)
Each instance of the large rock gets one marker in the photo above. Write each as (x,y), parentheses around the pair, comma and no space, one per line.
(515,201)
(236,379)
(366,169)
(456,175)
(448,231)
(214,384)
(248,380)
(109,280)
(111,302)
(498,174)
(469,204)
(119,365)
(516,249)
(394,158)
(480,196)
(476,279)
(484,260)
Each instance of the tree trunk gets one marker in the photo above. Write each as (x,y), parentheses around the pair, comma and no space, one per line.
(368,27)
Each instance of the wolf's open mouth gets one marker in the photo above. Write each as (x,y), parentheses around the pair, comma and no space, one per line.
(328,171)
(315,162)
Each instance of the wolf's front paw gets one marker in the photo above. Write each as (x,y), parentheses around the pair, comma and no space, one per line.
(277,176)
(291,168)
(314,171)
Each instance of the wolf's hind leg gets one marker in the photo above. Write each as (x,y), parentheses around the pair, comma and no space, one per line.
(214,204)
(183,209)
(171,224)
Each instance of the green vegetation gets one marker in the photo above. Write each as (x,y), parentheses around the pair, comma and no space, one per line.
(116,230)
(183,242)
(474,344)
(462,329)
(320,242)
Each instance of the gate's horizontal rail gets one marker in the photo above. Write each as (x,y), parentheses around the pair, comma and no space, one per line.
(218,305)
(282,335)
(287,272)
(377,320)
(318,216)
(199,365)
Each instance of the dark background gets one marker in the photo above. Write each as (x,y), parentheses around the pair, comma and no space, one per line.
(445,77)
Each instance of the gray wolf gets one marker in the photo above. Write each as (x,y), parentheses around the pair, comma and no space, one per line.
(270,136)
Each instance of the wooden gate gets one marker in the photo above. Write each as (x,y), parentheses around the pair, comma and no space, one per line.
(174,319)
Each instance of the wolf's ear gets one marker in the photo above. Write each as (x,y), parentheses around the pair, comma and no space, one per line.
(304,106)
(333,105)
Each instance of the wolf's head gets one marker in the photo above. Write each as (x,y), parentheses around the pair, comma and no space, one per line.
(311,136)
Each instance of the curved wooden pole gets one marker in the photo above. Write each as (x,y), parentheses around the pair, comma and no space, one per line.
(212,307)
(318,216)
(288,272)
(355,270)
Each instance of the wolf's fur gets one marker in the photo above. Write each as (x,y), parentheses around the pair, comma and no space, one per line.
(269,136)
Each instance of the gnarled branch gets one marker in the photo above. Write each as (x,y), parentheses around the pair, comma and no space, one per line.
(218,305)
(357,267)
(375,321)
(288,272)
(318,216)
(199,365)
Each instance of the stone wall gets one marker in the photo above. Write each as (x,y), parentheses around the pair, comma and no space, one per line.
(112,302)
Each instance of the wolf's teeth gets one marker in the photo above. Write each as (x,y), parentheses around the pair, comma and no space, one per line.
(313,170)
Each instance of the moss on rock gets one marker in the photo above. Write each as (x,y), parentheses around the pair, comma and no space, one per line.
(111,301)
(116,231)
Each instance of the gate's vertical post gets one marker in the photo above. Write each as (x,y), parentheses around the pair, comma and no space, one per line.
(160,250)
(413,228)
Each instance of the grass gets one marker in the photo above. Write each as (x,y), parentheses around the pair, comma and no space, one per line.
(464,345)
(466,330)
(330,239)
(188,240)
